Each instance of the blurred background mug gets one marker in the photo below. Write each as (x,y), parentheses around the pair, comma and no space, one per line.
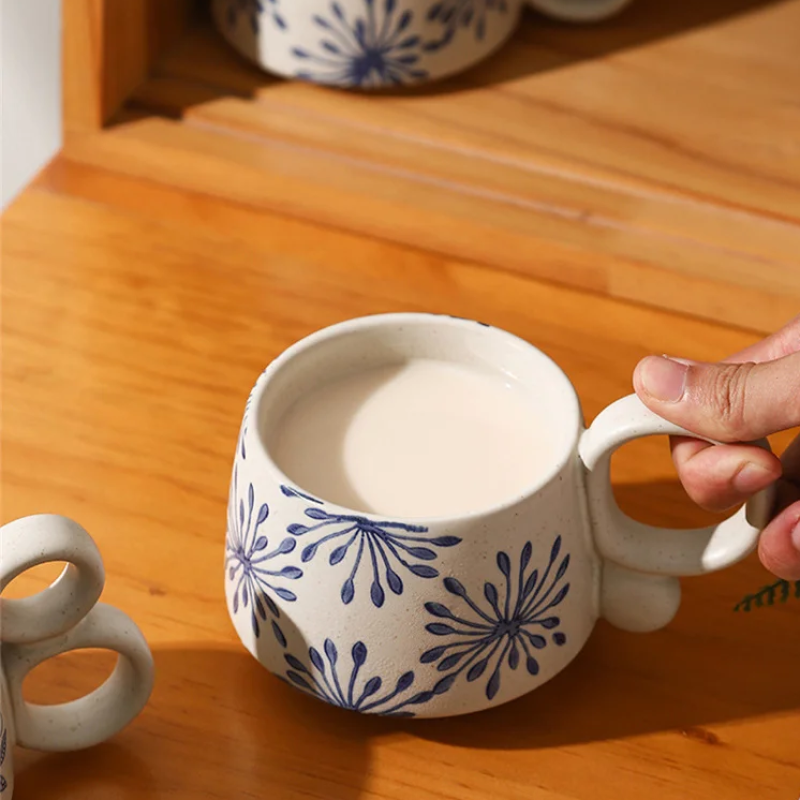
(373,44)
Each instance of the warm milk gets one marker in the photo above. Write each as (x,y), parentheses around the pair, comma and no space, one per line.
(425,438)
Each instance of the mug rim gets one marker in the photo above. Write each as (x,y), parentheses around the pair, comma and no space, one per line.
(572,408)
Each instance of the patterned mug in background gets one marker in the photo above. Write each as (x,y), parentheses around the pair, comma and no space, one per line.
(440,616)
(66,616)
(372,44)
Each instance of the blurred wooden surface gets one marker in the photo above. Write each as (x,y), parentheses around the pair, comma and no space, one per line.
(109,48)
(135,319)
(655,157)
(634,191)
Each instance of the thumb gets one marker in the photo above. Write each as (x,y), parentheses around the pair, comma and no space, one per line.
(727,402)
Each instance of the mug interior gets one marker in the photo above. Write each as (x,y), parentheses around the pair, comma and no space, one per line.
(393,339)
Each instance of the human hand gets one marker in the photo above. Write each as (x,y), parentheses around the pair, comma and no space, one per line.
(751,395)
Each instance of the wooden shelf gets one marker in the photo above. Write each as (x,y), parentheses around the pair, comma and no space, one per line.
(657,155)
(136,317)
(605,193)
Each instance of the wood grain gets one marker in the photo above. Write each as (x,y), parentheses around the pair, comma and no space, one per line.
(109,48)
(696,102)
(657,154)
(136,315)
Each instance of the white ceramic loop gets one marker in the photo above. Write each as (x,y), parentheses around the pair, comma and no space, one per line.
(40,539)
(102,713)
(646,548)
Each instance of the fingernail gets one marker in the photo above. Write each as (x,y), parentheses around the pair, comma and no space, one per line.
(663,378)
(687,361)
(751,478)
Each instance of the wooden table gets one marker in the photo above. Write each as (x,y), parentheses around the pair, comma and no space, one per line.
(153,270)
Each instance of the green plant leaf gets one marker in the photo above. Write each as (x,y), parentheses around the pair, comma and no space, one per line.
(774,594)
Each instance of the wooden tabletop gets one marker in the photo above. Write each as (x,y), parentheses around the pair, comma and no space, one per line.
(146,283)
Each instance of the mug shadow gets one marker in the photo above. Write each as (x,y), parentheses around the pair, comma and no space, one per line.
(217,724)
(109,770)
(215,711)
(710,666)
(540,44)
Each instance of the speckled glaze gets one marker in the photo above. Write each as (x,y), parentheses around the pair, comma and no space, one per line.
(444,616)
(373,44)
(66,616)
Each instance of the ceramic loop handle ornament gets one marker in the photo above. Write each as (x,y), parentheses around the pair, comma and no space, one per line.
(640,590)
(380,44)
(66,616)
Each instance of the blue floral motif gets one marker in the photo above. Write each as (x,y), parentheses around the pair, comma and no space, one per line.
(373,50)
(469,14)
(513,626)
(388,544)
(3,748)
(247,560)
(253,10)
(330,682)
(289,491)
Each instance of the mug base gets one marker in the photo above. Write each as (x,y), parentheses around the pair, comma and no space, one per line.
(286,662)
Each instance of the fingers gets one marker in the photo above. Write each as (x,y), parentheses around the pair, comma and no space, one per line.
(779,344)
(751,395)
(727,402)
(720,477)
(779,545)
(791,461)
(789,488)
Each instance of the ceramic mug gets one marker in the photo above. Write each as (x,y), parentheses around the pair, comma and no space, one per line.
(371,44)
(501,600)
(65,616)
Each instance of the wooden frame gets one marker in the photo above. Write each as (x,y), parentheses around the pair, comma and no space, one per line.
(109,48)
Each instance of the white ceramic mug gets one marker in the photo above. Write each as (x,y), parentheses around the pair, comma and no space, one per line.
(501,600)
(373,44)
(65,616)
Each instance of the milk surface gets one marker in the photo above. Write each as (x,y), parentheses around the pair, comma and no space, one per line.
(420,439)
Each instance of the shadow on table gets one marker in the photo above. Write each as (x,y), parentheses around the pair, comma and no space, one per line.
(711,665)
(217,712)
(539,45)
(542,44)
(109,770)
(217,725)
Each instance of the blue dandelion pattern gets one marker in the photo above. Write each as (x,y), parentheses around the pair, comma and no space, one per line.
(346,686)
(253,11)
(514,623)
(290,491)
(382,548)
(467,14)
(376,49)
(248,563)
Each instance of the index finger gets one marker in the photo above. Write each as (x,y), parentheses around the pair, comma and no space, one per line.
(781,343)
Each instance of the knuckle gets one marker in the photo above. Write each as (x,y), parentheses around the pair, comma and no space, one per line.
(788,338)
(727,396)
(707,496)
(707,488)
